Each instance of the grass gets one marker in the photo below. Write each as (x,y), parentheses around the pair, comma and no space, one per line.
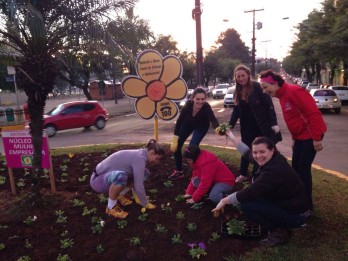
(324,238)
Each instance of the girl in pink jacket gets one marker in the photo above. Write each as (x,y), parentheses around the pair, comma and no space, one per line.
(209,174)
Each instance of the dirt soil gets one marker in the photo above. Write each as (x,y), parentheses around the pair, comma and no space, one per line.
(68,227)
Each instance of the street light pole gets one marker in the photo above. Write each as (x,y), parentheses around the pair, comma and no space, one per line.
(196,15)
(253,50)
(266,51)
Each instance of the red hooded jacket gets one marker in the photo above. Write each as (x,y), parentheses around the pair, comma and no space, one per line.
(210,170)
(303,118)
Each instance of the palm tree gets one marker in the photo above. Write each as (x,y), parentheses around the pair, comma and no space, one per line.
(38,31)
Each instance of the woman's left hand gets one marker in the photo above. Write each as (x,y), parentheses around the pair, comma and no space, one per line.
(190,201)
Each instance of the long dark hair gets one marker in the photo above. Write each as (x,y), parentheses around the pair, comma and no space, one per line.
(155,146)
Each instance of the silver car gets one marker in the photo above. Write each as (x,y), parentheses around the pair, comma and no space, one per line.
(341,91)
(326,99)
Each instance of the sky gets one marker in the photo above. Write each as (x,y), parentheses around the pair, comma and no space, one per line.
(273,40)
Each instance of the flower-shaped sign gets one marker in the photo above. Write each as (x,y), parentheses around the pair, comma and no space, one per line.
(157,84)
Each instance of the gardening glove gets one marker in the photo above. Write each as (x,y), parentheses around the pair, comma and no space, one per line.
(275,128)
(174,145)
(150,206)
(136,198)
(217,131)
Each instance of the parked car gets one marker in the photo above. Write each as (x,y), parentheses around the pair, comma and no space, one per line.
(341,91)
(229,97)
(326,99)
(220,90)
(75,114)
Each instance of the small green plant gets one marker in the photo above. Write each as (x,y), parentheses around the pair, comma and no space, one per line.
(2,180)
(60,217)
(2,246)
(196,251)
(153,191)
(87,211)
(143,215)
(166,208)
(24,258)
(64,168)
(214,237)
(83,178)
(78,203)
(223,128)
(191,227)
(197,205)
(64,233)
(136,241)
(160,229)
(64,174)
(235,226)
(102,198)
(30,220)
(63,257)
(27,244)
(179,198)
(122,223)
(21,183)
(97,229)
(180,215)
(66,243)
(100,249)
(86,170)
(168,184)
(176,239)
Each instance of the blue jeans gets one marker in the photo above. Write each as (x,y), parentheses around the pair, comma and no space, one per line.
(217,191)
(302,158)
(271,216)
(185,131)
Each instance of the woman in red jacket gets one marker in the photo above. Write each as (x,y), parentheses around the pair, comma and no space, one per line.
(209,174)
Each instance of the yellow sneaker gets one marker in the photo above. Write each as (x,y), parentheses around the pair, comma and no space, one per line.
(116,212)
(124,200)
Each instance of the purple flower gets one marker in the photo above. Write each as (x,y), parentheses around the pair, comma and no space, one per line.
(192,245)
(202,246)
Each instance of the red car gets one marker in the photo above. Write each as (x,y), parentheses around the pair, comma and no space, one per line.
(75,114)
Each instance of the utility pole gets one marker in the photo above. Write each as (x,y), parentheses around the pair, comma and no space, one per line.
(196,15)
(266,51)
(253,50)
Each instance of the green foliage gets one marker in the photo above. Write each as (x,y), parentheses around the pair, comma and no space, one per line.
(63,257)
(235,226)
(191,227)
(66,243)
(136,241)
(143,216)
(180,215)
(27,244)
(197,205)
(102,198)
(60,217)
(87,211)
(2,246)
(100,249)
(153,191)
(20,183)
(30,220)
(168,184)
(160,229)
(83,178)
(97,229)
(78,203)
(179,198)
(122,223)
(196,251)
(176,239)
(214,237)
(166,208)
(2,180)
(24,258)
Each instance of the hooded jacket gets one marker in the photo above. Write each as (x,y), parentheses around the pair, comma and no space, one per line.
(210,170)
(302,117)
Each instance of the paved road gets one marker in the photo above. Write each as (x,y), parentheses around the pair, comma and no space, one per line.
(125,127)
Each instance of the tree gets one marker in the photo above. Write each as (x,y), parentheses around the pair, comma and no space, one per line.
(38,31)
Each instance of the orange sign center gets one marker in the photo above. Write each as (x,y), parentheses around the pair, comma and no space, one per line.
(156,91)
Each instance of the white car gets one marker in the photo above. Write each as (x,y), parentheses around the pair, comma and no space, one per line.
(220,90)
(326,99)
(229,97)
(341,91)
